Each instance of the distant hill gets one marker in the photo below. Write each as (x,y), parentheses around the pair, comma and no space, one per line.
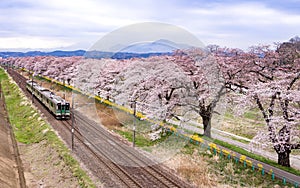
(137,50)
(140,50)
(158,46)
(127,55)
(122,55)
(87,54)
(57,53)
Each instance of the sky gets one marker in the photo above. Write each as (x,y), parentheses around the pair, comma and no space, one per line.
(77,24)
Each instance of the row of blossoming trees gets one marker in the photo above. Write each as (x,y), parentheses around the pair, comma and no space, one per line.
(270,80)
(195,83)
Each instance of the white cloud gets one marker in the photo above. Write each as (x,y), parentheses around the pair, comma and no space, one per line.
(244,14)
(236,23)
(242,24)
(32,43)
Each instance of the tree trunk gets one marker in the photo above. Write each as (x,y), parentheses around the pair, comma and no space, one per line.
(284,158)
(207,125)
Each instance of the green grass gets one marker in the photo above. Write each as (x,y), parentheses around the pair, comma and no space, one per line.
(29,127)
(246,125)
(229,115)
(140,139)
(251,114)
(60,87)
(232,173)
(257,157)
(251,155)
(240,140)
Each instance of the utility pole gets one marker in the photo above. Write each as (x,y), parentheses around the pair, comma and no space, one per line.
(32,87)
(72,129)
(0,90)
(134,123)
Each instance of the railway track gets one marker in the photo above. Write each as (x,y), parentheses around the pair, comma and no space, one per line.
(94,151)
(114,168)
(112,176)
(136,162)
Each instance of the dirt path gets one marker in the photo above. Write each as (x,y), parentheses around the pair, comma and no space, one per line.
(11,168)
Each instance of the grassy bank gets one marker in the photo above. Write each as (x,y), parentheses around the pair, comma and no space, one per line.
(227,171)
(257,157)
(29,127)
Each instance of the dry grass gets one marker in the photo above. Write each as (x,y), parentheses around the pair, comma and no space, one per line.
(194,170)
(108,116)
(109,120)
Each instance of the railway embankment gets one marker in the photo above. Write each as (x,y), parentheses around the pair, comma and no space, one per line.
(8,163)
(46,161)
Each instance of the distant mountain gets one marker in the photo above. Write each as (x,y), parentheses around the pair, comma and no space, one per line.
(126,55)
(121,55)
(153,47)
(159,46)
(86,54)
(173,44)
(98,54)
(138,50)
(57,53)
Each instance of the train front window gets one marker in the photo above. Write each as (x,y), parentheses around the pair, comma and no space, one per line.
(67,106)
(58,106)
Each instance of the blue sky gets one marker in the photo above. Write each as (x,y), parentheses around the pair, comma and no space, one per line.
(77,24)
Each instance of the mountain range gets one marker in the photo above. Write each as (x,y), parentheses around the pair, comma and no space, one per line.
(138,50)
(57,53)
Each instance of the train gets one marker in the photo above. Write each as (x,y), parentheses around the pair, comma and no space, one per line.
(58,106)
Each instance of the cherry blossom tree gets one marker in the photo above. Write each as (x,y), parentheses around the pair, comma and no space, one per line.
(59,68)
(207,86)
(110,69)
(273,86)
(156,83)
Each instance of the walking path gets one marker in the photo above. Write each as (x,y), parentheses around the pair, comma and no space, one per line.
(227,137)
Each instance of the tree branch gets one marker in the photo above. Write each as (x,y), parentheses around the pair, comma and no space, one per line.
(282,134)
(293,81)
(239,87)
(272,104)
(217,98)
(169,95)
(261,108)
(295,146)
(196,85)
(261,74)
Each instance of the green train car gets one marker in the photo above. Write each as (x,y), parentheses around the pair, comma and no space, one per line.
(59,107)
